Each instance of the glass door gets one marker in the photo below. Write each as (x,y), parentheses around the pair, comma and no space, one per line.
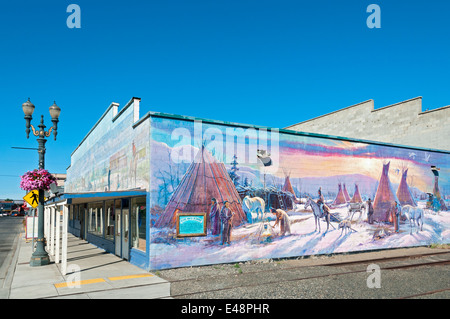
(82,217)
(118,228)
(125,228)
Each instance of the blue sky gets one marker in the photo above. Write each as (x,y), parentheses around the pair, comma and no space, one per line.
(270,63)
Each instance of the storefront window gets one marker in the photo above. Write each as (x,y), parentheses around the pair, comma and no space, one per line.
(71,215)
(81,210)
(76,220)
(95,223)
(138,223)
(82,216)
(110,219)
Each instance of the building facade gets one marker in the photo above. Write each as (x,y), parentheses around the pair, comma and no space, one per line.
(402,123)
(157,190)
(107,184)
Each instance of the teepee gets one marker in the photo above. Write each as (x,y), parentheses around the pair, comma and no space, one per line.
(206,178)
(384,197)
(287,187)
(356,196)
(340,198)
(403,192)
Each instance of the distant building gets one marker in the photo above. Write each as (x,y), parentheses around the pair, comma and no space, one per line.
(60,179)
(7,206)
(59,189)
(402,123)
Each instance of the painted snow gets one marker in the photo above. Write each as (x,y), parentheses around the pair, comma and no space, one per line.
(309,163)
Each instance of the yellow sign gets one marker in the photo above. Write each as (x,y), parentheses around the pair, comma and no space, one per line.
(32,198)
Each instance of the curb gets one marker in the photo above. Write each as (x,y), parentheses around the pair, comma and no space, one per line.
(10,265)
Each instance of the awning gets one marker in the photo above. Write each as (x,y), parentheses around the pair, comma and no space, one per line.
(89,197)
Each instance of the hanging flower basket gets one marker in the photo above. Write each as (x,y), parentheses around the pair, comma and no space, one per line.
(37,179)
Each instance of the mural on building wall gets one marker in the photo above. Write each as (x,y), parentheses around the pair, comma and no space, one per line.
(270,195)
(114,156)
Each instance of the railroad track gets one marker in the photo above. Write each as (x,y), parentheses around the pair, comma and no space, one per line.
(342,269)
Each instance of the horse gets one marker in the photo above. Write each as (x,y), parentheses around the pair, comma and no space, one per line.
(355,207)
(318,213)
(253,204)
(413,214)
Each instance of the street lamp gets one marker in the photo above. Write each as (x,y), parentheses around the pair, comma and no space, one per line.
(40,256)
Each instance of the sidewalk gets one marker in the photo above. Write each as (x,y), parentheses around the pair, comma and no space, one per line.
(103,275)
(92,274)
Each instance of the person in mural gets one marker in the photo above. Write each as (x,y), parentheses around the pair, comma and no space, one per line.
(433,203)
(321,202)
(395,211)
(214,217)
(226,216)
(283,220)
(369,211)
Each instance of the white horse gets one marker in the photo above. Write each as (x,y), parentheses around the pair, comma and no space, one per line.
(355,207)
(253,204)
(413,214)
(318,213)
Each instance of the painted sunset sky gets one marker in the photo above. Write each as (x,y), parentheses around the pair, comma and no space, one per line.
(304,156)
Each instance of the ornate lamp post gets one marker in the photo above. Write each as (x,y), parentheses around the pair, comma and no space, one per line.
(40,256)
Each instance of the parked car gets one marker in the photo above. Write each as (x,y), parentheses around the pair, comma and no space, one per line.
(17,213)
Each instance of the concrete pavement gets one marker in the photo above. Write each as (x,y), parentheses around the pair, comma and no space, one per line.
(92,274)
(95,274)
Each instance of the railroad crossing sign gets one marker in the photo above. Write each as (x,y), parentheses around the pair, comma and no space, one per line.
(32,198)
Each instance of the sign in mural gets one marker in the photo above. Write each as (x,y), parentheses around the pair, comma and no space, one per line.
(270,194)
(191,224)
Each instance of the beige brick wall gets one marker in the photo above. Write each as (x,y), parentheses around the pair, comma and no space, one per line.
(402,123)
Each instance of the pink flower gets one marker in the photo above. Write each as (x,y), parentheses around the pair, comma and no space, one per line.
(37,179)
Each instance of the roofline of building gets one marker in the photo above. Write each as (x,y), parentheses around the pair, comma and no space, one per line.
(395,104)
(327,114)
(358,104)
(285,131)
(434,110)
(282,130)
(113,104)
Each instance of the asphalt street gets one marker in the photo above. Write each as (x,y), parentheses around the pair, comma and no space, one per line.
(10,229)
